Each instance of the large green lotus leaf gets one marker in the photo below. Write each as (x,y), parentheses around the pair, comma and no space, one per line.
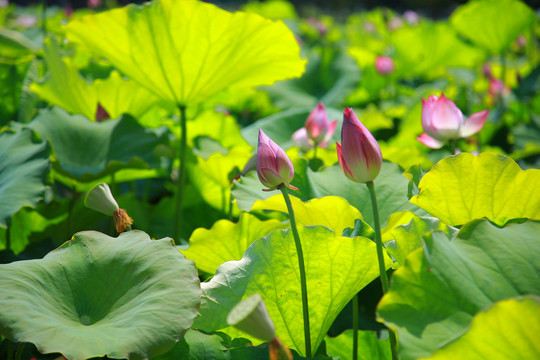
(218,126)
(492,24)
(13,90)
(507,330)
(419,50)
(212,176)
(126,297)
(66,88)
(87,150)
(369,347)
(331,75)
(465,187)
(331,211)
(24,164)
(390,185)
(187,51)
(439,289)
(226,240)
(408,237)
(336,269)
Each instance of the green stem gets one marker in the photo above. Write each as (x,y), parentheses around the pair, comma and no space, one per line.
(181,173)
(10,350)
(19,352)
(8,240)
(355,327)
(303,283)
(380,256)
(315,151)
(452,144)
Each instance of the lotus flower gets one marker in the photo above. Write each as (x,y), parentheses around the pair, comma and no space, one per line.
(318,128)
(384,65)
(274,167)
(442,121)
(359,154)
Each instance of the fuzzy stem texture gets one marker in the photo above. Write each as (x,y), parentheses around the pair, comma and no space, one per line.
(382,269)
(303,282)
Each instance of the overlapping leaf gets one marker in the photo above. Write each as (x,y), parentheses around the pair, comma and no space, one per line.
(462,188)
(187,51)
(507,330)
(336,269)
(226,241)
(24,164)
(125,297)
(440,288)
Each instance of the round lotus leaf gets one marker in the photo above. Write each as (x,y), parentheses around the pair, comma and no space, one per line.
(125,297)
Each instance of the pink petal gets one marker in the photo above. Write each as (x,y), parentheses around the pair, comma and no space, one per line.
(429,141)
(446,119)
(474,123)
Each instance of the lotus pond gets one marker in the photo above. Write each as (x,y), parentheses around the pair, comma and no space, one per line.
(180,180)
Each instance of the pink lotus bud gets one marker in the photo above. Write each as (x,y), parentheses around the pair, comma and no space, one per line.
(486,71)
(301,140)
(359,154)
(442,121)
(384,65)
(497,88)
(274,167)
(93,4)
(318,127)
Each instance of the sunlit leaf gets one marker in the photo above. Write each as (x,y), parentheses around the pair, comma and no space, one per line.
(465,187)
(212,176)
(369,347)
(336,269)
(390,185)
(331,211)
(505,330)
(187,51)
(66,88)
(226,241)
(493,24)
(125,297)
(442,286)
(24,164)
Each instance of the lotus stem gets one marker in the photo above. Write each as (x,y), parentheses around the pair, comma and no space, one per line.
(19,352)
(303,283)
(180,184)
(382,269)
(355,327)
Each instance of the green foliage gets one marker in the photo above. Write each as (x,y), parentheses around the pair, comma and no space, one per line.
(440,288)
(462,188)
(96,288)
(24,164)
(493,24)
(149,44)
(336,269)
(504,330)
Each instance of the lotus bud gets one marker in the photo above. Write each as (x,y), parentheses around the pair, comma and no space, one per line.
(250,316)
(384,65)
(359,154)
(100,199)
(274,167)
(442,120)
(318,128)
(301,140)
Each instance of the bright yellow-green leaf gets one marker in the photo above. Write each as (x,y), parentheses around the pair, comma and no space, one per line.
(507,330)
(218,126)
(226,240)
(465,187)
(186,51)
(211,176)
(66,88)
(331,211)
(493,24)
